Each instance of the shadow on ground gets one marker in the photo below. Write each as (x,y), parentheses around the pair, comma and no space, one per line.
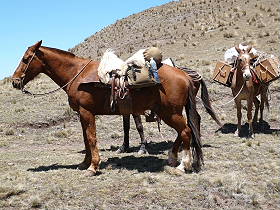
(52,167)
(259,127)
(141,164)
(154,148)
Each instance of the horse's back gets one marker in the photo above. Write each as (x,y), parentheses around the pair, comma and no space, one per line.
(176,84)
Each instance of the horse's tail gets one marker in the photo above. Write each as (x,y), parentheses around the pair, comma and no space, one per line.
(207,103)
(194,122)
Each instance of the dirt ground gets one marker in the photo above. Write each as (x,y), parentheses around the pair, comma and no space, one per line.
(41,144)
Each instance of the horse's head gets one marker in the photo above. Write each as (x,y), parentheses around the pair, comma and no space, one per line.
(29,67)
(243,61)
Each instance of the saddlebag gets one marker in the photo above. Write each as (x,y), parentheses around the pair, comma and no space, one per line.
(222,73)
(267,70)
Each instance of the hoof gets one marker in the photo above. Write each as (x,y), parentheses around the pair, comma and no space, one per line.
(179,172)
(196,167)
(180,168)
(122,149)
(173,171)
(236,134)
(142,151)
(89,173)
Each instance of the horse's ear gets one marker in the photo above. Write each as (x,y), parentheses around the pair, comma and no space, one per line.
(238,49)
(36,46)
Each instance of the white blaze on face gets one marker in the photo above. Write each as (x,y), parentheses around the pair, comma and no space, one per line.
(246,71)
(186,160)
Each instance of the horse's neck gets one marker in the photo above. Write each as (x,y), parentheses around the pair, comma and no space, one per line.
(60,68)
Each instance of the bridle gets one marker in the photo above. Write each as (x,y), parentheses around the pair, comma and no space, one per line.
(24,73)
(23,90)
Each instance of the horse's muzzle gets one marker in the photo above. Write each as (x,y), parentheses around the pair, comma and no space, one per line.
(247,75)
(16,83)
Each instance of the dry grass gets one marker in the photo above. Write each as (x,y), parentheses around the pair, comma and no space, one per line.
(38,162)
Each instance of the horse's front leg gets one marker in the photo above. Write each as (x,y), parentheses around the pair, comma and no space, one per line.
(140,129)
(92,159)
(183,139)
(239,116)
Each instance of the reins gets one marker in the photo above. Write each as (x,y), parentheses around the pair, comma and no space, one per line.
(53,91)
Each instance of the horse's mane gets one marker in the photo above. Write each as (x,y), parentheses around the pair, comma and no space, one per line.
(63,52)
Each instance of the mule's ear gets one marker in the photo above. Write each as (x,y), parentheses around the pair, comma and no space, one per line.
(249,48)
(238,49)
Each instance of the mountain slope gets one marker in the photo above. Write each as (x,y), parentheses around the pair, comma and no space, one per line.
(193,32)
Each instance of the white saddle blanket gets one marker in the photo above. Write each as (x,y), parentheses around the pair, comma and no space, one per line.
(110,61)
(231,54)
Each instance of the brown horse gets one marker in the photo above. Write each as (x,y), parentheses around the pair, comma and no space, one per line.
(245,87)
(72,73)
(139,126)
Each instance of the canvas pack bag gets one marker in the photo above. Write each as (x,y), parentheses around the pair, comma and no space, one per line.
(267,70)
(139,67)
(222,73)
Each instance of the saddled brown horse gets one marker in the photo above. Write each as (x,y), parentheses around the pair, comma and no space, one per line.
(139,126)
(247,87)
(73,74)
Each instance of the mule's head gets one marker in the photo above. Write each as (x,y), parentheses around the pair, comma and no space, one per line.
(244,60)
(29,67)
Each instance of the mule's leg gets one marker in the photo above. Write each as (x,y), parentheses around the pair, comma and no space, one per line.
(257,107)
(239,116)
(92,159)
(264,99)
(140,129)
(249,117)
(126,127)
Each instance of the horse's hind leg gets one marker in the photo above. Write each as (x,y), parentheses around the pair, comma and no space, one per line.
(178,122)
(92,159)
(126,127)
(140,129)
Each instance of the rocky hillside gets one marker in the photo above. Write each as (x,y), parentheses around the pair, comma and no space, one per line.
(193,32)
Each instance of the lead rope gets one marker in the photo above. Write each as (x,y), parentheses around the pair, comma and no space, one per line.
(220,104)
(53,91)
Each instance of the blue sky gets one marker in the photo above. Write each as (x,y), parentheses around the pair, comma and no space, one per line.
(59,23)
